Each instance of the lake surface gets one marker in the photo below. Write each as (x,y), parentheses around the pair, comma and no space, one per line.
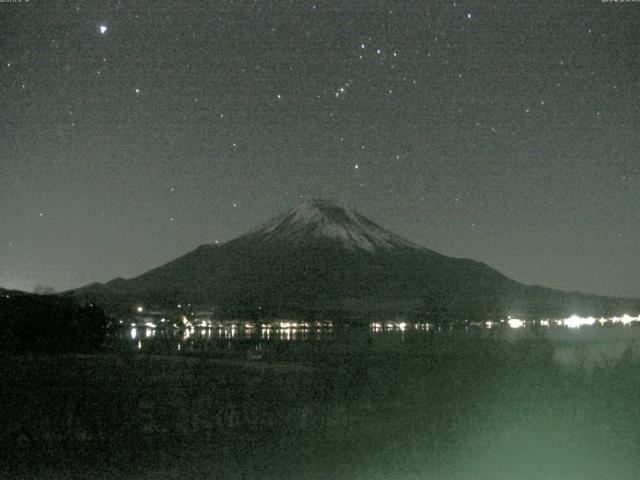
(388,400)
(576,344)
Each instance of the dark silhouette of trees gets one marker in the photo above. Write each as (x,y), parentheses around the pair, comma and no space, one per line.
(49,323)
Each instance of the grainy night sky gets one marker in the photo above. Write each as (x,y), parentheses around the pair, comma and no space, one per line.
(134,131)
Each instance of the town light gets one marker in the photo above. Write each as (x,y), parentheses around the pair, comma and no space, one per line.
(515,323)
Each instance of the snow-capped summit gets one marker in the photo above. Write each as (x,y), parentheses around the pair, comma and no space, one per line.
(324,219)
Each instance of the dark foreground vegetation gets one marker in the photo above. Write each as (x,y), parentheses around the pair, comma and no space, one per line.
(360,407)
(49,323)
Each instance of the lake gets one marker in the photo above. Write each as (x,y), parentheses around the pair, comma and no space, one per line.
(577,343)
(388,400)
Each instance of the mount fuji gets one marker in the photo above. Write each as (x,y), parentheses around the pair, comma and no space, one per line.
(322,259)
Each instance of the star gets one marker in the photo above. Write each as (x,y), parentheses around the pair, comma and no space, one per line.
(103,29)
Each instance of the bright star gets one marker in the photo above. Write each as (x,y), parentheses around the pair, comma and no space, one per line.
(103,29)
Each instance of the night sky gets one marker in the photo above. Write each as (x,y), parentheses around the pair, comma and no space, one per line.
(503,131)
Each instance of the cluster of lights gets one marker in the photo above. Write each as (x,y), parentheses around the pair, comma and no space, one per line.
(205,323)
(148,332)
(574,321)
(290,324)
(397,326)
(625,319)
(515,323)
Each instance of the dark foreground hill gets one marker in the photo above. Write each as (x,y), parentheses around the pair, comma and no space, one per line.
(321,259)
(48,323)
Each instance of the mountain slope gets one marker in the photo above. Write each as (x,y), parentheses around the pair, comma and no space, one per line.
(321,258)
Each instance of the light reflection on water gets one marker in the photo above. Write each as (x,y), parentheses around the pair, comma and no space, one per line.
(220,334)
(576,340)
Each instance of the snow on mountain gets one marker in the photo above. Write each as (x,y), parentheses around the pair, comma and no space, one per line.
(324,219)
